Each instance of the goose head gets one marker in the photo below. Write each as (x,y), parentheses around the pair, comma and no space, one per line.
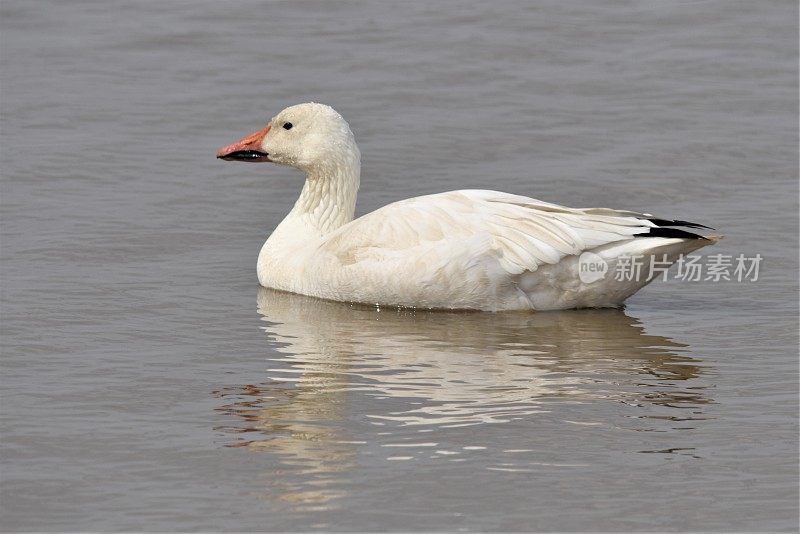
(305,136)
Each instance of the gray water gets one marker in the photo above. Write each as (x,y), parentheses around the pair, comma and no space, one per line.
(149,384)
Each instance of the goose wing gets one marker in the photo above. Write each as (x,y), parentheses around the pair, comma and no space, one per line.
(468,228)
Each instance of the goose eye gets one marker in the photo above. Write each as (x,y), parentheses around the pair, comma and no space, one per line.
(287,125)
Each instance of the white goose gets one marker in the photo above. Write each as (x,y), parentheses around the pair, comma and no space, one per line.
(469,249)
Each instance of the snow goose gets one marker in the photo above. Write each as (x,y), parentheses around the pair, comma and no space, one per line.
(468,249)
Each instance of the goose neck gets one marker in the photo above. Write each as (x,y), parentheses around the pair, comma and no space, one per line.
(328,198)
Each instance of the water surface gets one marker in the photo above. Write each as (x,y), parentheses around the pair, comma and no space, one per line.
(148,383)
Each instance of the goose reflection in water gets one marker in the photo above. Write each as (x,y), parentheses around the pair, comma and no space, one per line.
(347,373)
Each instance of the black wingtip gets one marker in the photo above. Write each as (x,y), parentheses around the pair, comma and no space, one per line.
(660,231)
(687,224)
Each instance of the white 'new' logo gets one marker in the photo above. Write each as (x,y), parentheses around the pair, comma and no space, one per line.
(591,267)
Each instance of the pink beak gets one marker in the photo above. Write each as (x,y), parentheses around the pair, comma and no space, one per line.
(247,149)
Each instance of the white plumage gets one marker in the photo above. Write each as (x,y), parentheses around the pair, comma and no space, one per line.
(469,249)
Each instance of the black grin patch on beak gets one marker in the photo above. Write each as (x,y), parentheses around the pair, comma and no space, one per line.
(246,155)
